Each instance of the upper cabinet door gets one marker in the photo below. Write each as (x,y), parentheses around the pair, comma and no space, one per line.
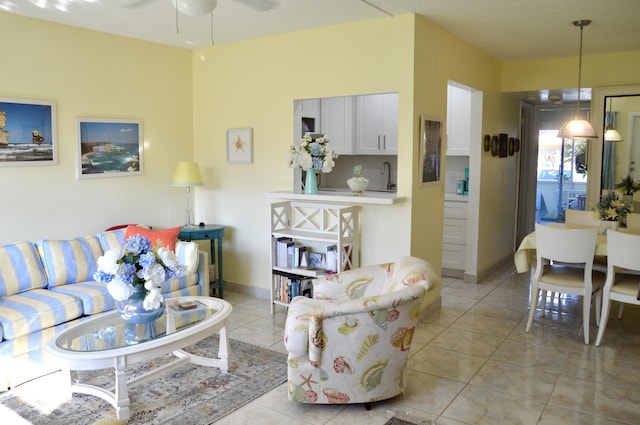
(337,115)
(458,121)
(377,124)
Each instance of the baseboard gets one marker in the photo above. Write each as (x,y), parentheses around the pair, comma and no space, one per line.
(252,291)
(458,274)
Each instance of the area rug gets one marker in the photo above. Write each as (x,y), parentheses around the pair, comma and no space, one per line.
(401,418)
(188,394)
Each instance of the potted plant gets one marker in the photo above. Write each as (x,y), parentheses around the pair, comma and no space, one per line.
(357,183)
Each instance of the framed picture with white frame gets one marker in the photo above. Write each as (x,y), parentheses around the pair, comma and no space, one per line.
(28,132)
(109,147)
(240,145)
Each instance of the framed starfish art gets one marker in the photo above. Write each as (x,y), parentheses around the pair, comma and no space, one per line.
(240,145)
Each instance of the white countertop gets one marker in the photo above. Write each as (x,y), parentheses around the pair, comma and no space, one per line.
(374,198)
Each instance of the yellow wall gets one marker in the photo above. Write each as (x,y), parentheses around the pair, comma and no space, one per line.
(254,84)
(441,57)
(91,74)
(613,69)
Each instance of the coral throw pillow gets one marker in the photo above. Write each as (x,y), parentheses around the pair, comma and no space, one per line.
(158,238)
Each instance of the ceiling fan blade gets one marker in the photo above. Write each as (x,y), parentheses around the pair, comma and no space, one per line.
(259,5)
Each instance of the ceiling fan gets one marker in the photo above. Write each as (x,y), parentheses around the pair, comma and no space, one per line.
(197,8)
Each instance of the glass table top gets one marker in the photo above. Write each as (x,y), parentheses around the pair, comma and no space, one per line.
(110,332)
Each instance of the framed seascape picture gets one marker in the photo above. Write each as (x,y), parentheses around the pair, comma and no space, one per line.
(430,150)
(109,148)
(240,145)
(28,132)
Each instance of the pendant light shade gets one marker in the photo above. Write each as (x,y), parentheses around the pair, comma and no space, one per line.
(578,128)
(611,134)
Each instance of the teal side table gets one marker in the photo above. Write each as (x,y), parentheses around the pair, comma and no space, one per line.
(212,232)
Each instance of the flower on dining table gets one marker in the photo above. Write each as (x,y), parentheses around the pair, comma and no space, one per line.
(627,185)
(611,207)
(139,265)
(311,153)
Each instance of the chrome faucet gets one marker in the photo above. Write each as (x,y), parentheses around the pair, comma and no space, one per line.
(388,167)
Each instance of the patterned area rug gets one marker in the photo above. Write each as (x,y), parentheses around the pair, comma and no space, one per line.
(400,418)
(188,394)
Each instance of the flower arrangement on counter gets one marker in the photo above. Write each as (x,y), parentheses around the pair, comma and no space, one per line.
(313,154)
(138,265)
(612,207)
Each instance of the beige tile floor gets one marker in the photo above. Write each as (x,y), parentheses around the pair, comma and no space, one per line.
(472,363)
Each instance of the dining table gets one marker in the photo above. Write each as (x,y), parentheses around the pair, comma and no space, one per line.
(525,257)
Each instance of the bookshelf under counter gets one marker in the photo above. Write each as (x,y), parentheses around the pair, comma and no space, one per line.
(327,233)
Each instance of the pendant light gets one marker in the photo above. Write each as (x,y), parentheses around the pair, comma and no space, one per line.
(611,134)
(578,128)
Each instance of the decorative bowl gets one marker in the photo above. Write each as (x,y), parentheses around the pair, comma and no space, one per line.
(357,184)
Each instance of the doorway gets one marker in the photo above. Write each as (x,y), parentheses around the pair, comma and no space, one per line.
(553,174)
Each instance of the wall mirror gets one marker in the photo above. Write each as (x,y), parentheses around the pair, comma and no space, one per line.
(611,161)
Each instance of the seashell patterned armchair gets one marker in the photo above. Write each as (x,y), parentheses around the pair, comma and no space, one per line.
(350,343)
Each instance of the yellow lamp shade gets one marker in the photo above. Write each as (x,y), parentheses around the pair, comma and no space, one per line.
(187,174)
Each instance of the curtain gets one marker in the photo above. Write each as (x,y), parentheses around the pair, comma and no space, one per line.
(609,155)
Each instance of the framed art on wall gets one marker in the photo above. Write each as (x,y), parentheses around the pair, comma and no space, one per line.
(240,145)
(430,150)
(28,132)
(109,147)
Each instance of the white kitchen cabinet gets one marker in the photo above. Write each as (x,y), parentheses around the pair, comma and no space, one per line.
(377,124)
(454,237)
(337,116)
(458,121)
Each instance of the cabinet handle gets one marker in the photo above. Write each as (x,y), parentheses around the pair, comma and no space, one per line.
(384,142)
(378,142)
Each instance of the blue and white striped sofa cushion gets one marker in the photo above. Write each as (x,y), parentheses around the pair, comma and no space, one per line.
(34,310)
(20,269)
(94,295)
(71,260)
(112,239)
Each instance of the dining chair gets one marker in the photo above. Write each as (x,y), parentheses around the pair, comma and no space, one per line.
(559,250)
(582,218)
(586,218)
(622,276)
(633,221)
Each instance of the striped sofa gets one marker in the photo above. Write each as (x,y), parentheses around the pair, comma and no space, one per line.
(48,285)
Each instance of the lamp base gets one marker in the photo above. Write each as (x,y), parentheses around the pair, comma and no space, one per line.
(189,226)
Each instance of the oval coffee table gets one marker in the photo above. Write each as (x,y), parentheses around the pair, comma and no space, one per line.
(106,341)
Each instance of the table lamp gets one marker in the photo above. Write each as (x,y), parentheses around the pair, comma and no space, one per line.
(187,174)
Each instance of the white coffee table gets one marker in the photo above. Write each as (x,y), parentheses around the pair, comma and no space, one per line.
(106,341)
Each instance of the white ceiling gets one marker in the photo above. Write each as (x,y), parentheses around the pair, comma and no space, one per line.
(506,29)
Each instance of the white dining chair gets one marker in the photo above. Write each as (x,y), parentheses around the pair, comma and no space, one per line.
(622,276)
(633,221)
(585,218)
(559,251)
(582,218)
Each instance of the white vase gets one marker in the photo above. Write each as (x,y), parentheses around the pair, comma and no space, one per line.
(357,184)
(606,225)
